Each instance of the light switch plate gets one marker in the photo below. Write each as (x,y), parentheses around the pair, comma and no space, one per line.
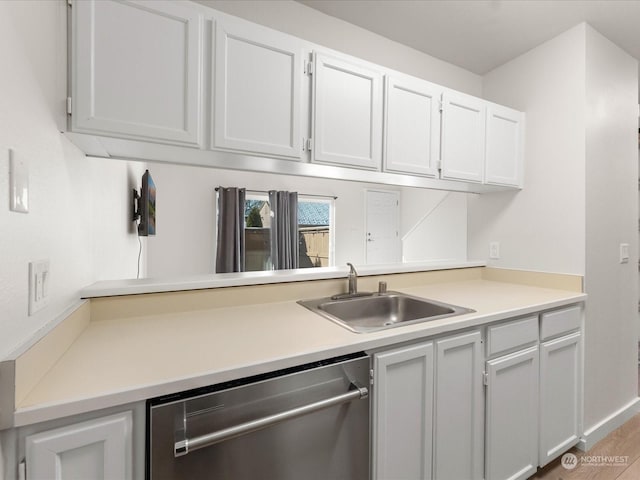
(624,253)
(38,285)
(18,183)
(494,250)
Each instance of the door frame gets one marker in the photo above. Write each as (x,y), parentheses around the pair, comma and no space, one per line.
(366,211)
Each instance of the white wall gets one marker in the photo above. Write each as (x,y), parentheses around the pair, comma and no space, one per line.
(79,207)
(612,218)
(579,202)
(541,227)
(185,243)
(432,227)
(304,22)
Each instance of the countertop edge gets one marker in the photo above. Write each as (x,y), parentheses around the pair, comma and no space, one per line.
(369,342)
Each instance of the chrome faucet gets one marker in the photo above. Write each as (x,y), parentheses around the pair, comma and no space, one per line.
(353,279)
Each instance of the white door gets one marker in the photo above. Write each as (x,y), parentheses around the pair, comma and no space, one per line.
(258,76)
(512,416)
(347,113)
(505,146)
(459,420)
(137,70)
(463,137)
(99,448)
(402,413)
(412,126)
(560,388)
(382,227)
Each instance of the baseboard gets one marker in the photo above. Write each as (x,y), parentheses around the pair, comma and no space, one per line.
(596,433)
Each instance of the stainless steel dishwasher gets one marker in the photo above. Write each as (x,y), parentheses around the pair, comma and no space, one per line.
(308,422)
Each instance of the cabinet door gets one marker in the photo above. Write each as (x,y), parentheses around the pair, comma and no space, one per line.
(347,118)
(505,146)
(459,421)
(136,70)
(463,137)
(412,126)
(512,416)
(98,448)
(560,396)
(258,76)
(403,409)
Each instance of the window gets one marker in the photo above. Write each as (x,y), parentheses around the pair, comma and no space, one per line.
(315,231)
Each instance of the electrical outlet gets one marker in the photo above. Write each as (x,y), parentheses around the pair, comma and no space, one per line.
(624,253)
(38,285)
(494,250)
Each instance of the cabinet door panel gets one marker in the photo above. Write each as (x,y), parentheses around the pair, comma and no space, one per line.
(403,409)
(98,448)
(143,82)
(512,416)
(459,420)
(560,393)
(463,137)
(347,113)
(412,129)
(505,146)
(257,89)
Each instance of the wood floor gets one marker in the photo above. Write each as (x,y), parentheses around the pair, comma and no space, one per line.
(623,442)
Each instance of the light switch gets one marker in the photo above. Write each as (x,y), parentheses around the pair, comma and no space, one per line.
(624,253)
(18,183)
(38,285)
(494,250)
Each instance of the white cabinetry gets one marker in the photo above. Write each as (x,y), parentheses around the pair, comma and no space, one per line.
(511,430)
(560,382)
(258,77)
(137,70)
(403,409)
(459,420)
(347,113)
(505,146)
(412,126)
(463,137)
(100,448)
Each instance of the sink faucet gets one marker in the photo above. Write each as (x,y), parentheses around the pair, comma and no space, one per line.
(353,279)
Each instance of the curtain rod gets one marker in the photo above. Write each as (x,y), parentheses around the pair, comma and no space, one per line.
(305,194)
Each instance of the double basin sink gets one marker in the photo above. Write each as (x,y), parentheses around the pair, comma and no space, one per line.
(362,313)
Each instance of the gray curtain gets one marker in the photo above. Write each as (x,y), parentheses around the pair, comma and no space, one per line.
(230,246)
(284,229)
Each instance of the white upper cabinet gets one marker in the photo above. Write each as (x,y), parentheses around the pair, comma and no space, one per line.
(463,137)
(137,70)
(347,113)
(505,146)
(412,126)
(258,76)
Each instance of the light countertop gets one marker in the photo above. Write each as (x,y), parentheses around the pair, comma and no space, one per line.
(123,360)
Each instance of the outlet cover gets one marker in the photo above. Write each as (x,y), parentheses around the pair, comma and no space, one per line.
(38,285)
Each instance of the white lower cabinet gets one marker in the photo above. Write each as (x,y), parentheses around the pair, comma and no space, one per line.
(96,449)
(459,403)
(560,396)
(511,445)
(403,409)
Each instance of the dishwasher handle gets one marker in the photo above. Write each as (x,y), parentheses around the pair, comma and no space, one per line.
(187,445)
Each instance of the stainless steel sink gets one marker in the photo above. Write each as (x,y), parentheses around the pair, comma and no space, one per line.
(381,311)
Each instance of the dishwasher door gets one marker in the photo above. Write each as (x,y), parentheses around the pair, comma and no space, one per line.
(311,422)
